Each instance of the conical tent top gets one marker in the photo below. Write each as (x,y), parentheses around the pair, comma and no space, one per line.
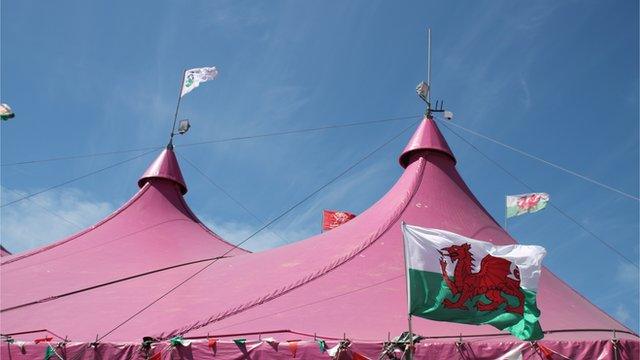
(165,166)
(426,138)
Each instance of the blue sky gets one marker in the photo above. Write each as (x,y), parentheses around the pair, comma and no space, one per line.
(557,79)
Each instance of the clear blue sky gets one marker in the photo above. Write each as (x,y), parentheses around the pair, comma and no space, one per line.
(558,79)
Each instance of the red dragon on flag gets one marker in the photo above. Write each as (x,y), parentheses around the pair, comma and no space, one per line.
(491,280)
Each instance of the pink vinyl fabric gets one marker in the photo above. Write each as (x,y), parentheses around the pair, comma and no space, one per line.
(347,282)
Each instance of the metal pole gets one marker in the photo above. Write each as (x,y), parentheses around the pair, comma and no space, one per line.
(429,63)
(175,116)
(505,213)
(404,247)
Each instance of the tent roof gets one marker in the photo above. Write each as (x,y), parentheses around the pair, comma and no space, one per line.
(349,280)
(152,231)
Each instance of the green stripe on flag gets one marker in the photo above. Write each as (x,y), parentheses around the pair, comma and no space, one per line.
(428,292)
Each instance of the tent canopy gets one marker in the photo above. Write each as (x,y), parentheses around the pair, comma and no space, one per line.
(347,281)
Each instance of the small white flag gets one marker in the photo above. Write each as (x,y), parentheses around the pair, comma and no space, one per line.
(193,78)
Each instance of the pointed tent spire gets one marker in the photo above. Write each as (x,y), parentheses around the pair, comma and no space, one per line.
(427,137)
(165,166)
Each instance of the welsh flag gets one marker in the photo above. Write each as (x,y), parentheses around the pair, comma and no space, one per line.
(332,219)
(526,203)
(454,278)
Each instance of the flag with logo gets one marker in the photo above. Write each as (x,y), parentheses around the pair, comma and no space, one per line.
(332,219)
(5,112)
(457,279)
(193,78)
(526,203)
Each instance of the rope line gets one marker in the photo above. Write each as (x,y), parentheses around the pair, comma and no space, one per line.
(612,248)
(225,192)
(213,141)
(313,302)
(77,178)
(537,158)
(291,208)
(33,201)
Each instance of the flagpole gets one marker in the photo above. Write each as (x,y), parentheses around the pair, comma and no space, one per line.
(406,269)
(175,116)
(505,213)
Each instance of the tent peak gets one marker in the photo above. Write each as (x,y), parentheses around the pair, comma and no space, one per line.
(165,166)
(426,138)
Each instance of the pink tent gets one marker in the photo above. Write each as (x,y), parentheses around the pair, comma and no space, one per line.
(347,283)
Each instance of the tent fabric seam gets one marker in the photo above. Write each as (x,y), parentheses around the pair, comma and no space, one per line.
(313,276)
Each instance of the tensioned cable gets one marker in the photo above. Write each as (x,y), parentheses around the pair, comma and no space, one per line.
(291,208)
(220,188)
(78,178)
(537,158)
(612,248)
(222,140)
(33,201)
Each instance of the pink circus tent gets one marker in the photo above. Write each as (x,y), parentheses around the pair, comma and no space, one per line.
(345,283)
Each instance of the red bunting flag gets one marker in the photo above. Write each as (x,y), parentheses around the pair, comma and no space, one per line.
(212,344)
(156,356)
(293,347)
(331,219)
(358,356)
(44,339)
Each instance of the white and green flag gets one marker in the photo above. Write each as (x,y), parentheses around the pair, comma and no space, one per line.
(526,203)
(454,278)
(193,78)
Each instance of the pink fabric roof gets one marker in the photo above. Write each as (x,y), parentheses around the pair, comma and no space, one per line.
(349,280)
(154,230)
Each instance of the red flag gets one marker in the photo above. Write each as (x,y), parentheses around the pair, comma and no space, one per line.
(293,347)
(212,344)
(332,219)
(156,356)
(45,339)
(358,356)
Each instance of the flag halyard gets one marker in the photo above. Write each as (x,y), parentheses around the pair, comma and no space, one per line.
(456,279)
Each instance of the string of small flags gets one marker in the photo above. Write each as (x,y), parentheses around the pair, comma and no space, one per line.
(392,349)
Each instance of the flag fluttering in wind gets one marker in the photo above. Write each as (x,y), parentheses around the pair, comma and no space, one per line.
(5,112)
(193,78)
(493,285)
(332,219)
(526,203)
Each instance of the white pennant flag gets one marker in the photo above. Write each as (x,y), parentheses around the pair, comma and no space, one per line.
(193,78)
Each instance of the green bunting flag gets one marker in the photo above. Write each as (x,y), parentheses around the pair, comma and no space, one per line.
(179,341)
(49,353)
(240,342)
(493,285)
(322,345)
